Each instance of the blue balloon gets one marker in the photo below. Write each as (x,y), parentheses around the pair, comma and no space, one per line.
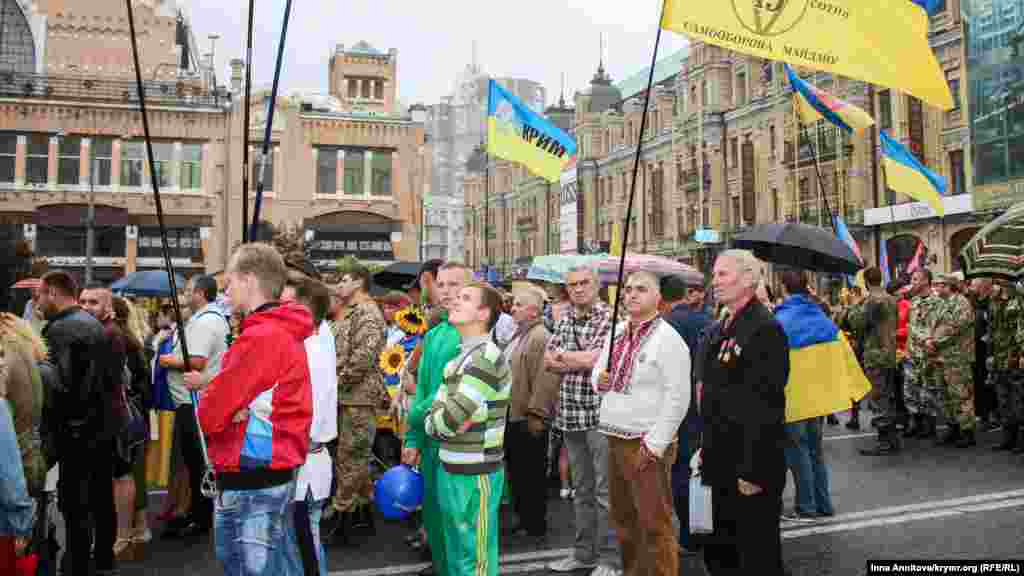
(399,492)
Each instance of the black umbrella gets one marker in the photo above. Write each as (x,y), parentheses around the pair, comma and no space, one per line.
(800,246)
(397,276)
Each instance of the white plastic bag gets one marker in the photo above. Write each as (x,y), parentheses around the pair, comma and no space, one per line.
(700,499)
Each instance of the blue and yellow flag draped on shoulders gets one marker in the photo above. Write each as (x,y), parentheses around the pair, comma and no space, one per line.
(824,375)
(518,134)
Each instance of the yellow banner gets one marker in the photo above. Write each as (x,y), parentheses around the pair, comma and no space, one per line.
(883,42)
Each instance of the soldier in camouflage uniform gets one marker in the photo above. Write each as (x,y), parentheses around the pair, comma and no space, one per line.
(1007,337)
(875,321)
(359,339)
(922,389)
(951,347)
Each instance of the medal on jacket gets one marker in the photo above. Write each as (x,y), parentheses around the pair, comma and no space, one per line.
(725,351)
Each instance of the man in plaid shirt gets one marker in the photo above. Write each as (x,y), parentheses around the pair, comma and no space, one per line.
(573,349)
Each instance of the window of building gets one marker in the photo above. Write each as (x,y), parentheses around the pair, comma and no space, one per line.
(133,156)
(37,162)
(771,141)
(8,154)
(365,92)
(776,206)
(741,89)
(735,204)
(268,175)
(354,169)
(181,243)
(163,163)
(956,171)
(885,109)
(380,164)
(192,167)
(353,88)
(657,202)
(378,89)
(102,152)
(327,171)
(706,90)
(69,160)
(71,241)
(954,89)
(734,151)
(915,127)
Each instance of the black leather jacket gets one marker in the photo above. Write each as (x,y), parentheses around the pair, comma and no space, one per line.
(80,354)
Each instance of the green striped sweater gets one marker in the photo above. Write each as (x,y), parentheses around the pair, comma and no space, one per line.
(470,409)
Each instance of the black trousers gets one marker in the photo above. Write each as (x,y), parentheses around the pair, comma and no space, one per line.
(527,469)
(747,539)
(201,509)
(984,392)
(85,493)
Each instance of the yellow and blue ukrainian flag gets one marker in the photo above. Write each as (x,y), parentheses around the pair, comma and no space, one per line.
(930,6)
(817,347)
(813,104)
(518,134)
(905,174)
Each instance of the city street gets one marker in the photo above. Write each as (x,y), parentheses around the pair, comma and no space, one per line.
(925,503)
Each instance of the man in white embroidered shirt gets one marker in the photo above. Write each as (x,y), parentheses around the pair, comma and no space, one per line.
(644,399)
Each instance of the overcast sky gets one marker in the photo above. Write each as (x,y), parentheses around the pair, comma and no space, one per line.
(535,39)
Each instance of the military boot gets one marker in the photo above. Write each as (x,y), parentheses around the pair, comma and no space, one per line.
(913,426)
(927,427)
(966,439)
(1020,442)
(1009,441)
(888,443)
(951,436)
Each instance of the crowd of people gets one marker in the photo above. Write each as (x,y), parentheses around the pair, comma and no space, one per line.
(487,392)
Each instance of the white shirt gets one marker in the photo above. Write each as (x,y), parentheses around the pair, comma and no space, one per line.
(658,395)
(505,329)
(315,475)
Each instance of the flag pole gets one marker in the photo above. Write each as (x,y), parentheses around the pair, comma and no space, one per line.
(632,189)
(269,121)
(208,488)
(817,168)
(245,128)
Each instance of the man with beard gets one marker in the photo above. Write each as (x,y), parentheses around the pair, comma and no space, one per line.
(83,417)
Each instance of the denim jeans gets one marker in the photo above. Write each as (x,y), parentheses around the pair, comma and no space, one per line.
(292,554)
(249,528)
(804,455)
(588,458)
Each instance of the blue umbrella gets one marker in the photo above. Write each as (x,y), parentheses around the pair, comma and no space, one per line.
(148,283)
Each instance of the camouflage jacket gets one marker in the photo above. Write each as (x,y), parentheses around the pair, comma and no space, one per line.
(359,339)
(953,331)
(1007,329)
(920,323)
(875,321)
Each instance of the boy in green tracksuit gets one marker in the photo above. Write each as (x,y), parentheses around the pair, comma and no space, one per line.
(468,419)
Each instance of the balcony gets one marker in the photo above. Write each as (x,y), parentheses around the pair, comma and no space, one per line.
(161,93)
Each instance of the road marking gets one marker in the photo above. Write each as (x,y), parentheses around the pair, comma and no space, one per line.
(850,436)
(524,562)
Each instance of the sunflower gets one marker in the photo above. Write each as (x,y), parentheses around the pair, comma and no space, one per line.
(411,321)
(392,359)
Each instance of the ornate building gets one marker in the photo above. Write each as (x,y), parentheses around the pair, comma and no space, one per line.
(345,166)
(722,150)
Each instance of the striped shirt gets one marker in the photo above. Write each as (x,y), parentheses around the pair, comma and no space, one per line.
(470,409)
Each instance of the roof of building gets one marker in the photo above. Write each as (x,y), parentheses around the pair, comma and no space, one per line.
(663,69)
(363,47)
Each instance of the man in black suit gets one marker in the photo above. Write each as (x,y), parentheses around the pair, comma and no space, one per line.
(745,369)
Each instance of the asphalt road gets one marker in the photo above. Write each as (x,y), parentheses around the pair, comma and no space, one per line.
(927,502)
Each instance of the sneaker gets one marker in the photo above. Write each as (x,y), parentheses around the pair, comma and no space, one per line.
(603,570)
(797,516)
(564,493)
(570,564)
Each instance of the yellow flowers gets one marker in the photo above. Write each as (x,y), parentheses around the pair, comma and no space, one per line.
(411,321)
(392,359)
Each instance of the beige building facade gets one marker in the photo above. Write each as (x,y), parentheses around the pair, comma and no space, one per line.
(721,152)
(346,166)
